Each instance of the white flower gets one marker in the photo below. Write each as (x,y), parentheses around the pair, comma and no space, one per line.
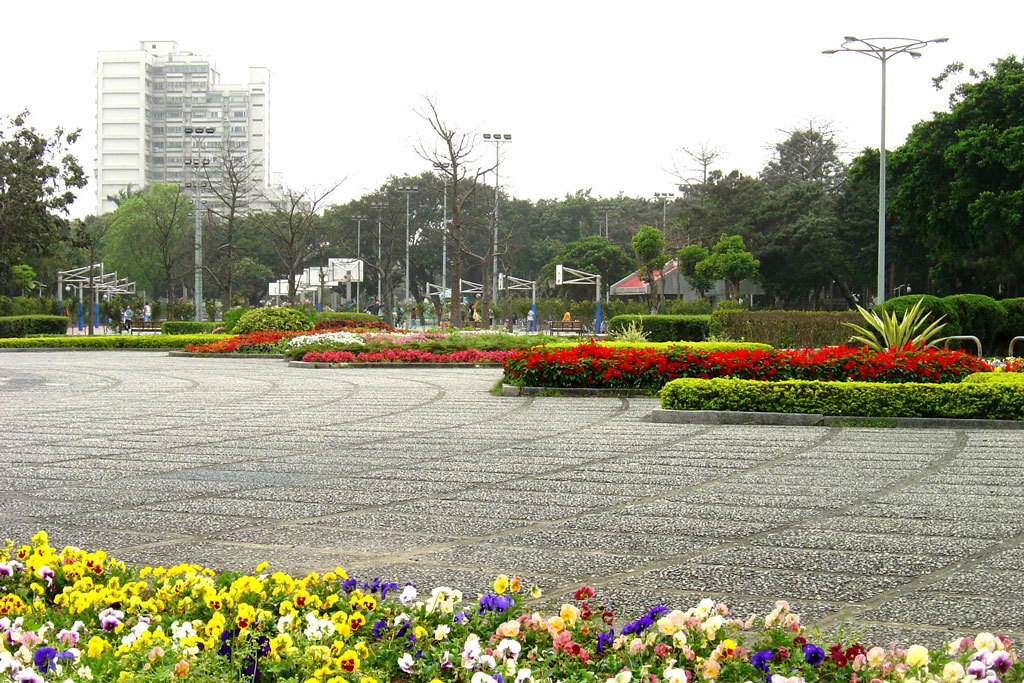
(674,675)
(317,629)
(524,676)
(621,677)
(441,632)
(487,660)
(408,595)
(326,338)
(481,677)
(511,646)
(405,663)
(284,623)
(85,673)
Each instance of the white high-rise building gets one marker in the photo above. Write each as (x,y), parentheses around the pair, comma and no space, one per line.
(149,99)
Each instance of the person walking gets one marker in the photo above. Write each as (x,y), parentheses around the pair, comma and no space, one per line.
(126,318)
(147,312)
(374,308)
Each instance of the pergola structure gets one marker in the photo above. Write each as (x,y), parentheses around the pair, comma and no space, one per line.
(85,277)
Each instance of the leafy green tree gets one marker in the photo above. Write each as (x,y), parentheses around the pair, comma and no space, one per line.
(959,182)
(690,257)
(23,276)
(649,247)
(730,261)
(591,254)
(250,279)
(37,182)
(806,155)
(149,239)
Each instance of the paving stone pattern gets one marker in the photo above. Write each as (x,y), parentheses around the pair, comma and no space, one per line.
(420,474)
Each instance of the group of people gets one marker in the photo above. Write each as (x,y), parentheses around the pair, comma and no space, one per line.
(128,314)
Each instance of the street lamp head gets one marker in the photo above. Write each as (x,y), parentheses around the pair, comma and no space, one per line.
(915,55)
(829,52)
(487,136)
(849,39)
(188,130)
(508,136)
(938,40)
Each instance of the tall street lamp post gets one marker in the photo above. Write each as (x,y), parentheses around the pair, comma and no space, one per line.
(359,250)
(604,210)
(378,207)
(197,134)
(406,190)
(882,49)
(664,197)
(497,139)
(443,167)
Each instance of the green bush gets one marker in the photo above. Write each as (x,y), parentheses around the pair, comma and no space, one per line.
(860,399)
(25,325)
(980,315)
(188,327)
(685,307)
(784,329)
(181,310)
(1009,378)
(661,328)
(343,315)
(1014,323)
(231,317)
(273,319)
(121,341)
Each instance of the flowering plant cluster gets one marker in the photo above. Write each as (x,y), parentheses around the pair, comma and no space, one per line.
(265,341)
(73,616)
(341,337)
(589,365)
(406,356)
(343,324)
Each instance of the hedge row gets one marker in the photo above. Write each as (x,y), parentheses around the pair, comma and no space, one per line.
(124,341)
(25,325)
(345,315)
(785,329)
(663,328)
(188,327)
(860,399)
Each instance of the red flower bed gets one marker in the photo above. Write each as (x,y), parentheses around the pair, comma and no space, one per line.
(254,342)
(649,369)
(406,356)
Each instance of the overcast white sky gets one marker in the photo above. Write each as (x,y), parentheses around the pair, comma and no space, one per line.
(597,94)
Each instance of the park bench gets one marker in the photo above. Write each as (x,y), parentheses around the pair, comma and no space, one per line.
(566,327)
(146,326)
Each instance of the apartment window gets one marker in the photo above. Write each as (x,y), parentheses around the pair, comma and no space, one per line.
(174,113)
(238,114)
(174,144)
(158,145)
(159,130)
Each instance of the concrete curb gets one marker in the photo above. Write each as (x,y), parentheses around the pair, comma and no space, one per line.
(727,417)
(192,354)
(513,390)
(78,348)
(325,366)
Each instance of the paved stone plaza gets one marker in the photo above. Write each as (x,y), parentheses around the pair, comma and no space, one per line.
(422,475)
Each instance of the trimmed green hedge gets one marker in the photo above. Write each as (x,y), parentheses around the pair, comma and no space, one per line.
(25,325)
(785,329)
(1008,378)
(188,327)
(980,315)
(346,315)
(860,399)
(929,304)
(663,328)
(139,341)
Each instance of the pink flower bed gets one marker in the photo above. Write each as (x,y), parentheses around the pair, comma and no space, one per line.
(406,356)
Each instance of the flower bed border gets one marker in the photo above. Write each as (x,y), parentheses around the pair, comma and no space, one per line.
(328,366)
(516,390)
(195,354)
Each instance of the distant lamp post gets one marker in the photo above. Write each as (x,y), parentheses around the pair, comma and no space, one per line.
(664,197)
(444,168)
(905,287)
(604,210)
(359,250)
(379,208)
(406,190)
(497,139)
(197,134)
(882,49)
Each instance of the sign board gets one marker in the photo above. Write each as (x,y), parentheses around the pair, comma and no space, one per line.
(558,274)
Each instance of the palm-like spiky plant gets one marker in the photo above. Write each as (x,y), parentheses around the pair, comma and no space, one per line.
(885,331)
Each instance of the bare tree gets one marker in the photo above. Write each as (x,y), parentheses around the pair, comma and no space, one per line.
(234,180)
(452,154)
(292,222)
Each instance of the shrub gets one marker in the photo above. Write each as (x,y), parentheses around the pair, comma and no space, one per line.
(980,315)
(887,330)
(181,310)
(661,328)
(187,327)
(1014,322)
(685,307)
(784,329)
(929,304)
(139,341)
(862,399)
(589,365)
(25,325)
(344,315)
(271,319)
(1010,378)
(231,317)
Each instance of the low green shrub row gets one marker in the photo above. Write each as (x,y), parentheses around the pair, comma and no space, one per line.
(663,328)
(993,322)
(188,327)
(785,329)
(988,400)
(1005,378)
(25,325)
(439,345)
(272,319)
(121,341)
(27,305)
(347,315)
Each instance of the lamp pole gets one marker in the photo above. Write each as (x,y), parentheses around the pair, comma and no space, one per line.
(497,139)
(604,210)
(379,207)
(359,251)
(443,167)
(197,134)
(882,49)
(664,197)
(406,190)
